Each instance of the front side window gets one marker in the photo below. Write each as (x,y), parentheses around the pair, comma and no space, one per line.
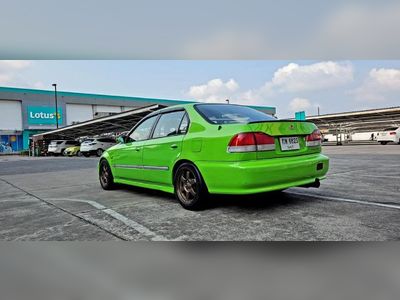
(142,132)
(168,124)
(231,114)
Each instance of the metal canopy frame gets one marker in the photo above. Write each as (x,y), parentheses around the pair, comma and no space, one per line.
(361,121)
(110,124)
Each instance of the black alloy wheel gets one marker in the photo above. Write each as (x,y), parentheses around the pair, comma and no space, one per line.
(190,189)
(105,176)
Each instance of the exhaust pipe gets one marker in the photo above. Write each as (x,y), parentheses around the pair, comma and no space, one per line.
(314,184)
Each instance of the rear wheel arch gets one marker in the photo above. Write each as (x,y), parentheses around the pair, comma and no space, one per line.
(178,164)
(183,161)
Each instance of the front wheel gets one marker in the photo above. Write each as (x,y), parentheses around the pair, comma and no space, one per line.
(383,143)
(190,189)
(105,176)
(79,154)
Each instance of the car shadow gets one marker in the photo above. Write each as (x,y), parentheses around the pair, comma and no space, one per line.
(269,200)
(146,192)
(262,201)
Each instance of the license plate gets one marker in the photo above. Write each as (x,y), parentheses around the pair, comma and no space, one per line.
(289,143)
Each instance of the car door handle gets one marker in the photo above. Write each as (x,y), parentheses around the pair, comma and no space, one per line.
(174,146)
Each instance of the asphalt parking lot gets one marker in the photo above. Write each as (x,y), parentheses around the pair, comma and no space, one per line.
(59,198)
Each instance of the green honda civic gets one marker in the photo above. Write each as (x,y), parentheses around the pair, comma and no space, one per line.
(195,150)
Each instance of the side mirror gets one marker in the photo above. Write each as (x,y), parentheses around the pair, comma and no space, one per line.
(121,139)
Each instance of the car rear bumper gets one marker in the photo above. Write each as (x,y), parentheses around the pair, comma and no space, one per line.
(256,176)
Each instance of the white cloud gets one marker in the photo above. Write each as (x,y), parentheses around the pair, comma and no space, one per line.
(9,71)
(215,90)
(14,64)
(322,75)
(380,85)
(287,79)
(387,78)
(299,104)
(299,78)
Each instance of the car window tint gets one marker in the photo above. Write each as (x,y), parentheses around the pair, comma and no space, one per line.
(231,114)
(184,124)
(142,132)
(168,124)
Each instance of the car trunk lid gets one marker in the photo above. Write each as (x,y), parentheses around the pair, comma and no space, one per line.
(290,137)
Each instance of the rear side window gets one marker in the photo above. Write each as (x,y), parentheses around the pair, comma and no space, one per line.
(231,114)
(168,124)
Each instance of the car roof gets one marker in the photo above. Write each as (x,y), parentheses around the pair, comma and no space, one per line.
(171,108)
(183,106)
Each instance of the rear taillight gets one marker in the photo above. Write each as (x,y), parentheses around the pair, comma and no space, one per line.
(393,133)
(251,142)
(314,139)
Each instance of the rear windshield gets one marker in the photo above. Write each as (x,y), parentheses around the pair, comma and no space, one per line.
(231,114)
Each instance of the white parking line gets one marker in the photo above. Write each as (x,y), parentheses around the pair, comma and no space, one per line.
(345,200)
(128,222)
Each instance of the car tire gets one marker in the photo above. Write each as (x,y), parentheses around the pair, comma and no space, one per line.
(189,186)
(105,176)
(86,154)
(79,154)
(383,143)
(99,152)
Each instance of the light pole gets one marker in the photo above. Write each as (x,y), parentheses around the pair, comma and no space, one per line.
(55,97)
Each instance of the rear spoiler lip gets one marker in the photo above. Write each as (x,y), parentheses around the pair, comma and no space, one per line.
(292,121)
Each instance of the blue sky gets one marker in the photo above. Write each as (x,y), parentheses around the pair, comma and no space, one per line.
(293,85)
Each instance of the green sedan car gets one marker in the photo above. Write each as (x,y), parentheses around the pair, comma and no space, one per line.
(194,150)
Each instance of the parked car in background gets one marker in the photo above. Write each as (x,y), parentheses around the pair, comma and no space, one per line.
(388,135)
(73,151)
(57,147)
(198,149)
(96,146)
